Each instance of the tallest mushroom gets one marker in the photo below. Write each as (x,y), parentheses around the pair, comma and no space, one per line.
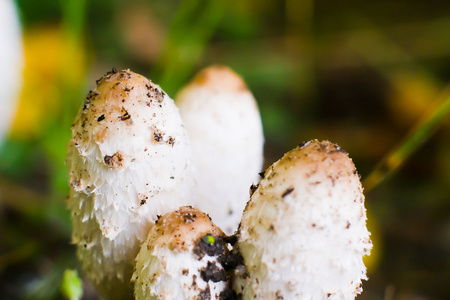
(128,161)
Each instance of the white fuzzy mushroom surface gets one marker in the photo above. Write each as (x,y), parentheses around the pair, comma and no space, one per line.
(11,60)
(181,259)
(303,233)
(223,122)
(128,161)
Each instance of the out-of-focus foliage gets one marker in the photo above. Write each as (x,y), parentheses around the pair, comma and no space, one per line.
(41,98)
(364,74)
(71,285)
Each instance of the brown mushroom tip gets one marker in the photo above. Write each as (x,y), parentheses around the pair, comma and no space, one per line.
(115,75)
(320,155)
(123,82)
(324,147)
(182,228)
(117,102)
(220,79)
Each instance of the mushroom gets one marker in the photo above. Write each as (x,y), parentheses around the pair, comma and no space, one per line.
(128,161)
(224,125)
(303,233)
(11,60)
(181,259)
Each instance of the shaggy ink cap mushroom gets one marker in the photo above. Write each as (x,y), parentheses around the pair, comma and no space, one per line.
(181,259)
(128,161)
(303,233)
(223,122)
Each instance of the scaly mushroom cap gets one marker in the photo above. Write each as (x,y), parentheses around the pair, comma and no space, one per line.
(129,161)
(223,123)
(181,259)
(303,233)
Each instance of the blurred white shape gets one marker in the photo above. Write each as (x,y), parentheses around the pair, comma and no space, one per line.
(11,62)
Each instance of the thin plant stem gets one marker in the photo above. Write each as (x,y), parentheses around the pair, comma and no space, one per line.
(17,255)
(74,15)
(418,135)
(192,27)
(23,200)
(69,91)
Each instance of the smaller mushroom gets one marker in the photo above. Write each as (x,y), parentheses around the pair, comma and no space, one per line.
(181,259)
(303,233)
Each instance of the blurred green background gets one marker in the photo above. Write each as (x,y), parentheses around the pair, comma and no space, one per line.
(363,74)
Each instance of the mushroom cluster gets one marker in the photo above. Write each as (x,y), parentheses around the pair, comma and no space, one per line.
(148,180)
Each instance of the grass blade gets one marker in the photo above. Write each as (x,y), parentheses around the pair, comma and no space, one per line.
(193,25)
(418,135)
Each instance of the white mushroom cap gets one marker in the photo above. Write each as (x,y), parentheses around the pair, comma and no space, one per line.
(181,259)
(11,60)
(303,233)
(129,161)
(224,125)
